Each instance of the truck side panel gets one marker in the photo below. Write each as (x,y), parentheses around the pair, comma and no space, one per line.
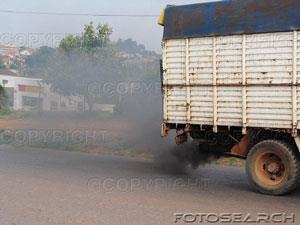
(248,80)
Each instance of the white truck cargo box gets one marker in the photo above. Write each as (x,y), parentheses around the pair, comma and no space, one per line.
(248,80)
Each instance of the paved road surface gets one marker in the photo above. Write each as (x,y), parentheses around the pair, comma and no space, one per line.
(50,187)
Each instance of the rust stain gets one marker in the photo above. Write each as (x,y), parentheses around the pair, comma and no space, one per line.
(264,6)
(241,149)
(223,10)
(178,23)
(180,139)
(178,20)
(254,7)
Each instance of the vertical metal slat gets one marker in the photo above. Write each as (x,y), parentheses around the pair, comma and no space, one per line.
(294,86)
(165,81)
(244,88)
(215,90)
(187,79)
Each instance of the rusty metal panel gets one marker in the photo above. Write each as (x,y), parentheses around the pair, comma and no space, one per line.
(269,58)
(269,107)
(269,61)
(240,80)
(201,62)
(175,61)
(298,107)
(297,61)
(231,17)
(176,105)
(229,59)
(202,105)
(229,106)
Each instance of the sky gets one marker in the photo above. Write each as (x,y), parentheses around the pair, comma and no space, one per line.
(37,30)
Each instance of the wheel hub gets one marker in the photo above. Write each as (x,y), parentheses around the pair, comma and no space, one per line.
(273,167)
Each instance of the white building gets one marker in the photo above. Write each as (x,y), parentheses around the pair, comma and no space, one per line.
(29,94)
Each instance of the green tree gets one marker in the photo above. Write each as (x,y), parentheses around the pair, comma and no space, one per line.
(91,39)
(83,61)
(70,43)
(103,35)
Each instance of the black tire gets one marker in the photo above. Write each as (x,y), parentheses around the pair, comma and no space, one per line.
(273,167)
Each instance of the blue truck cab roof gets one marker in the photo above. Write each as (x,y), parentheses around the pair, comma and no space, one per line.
(231,17)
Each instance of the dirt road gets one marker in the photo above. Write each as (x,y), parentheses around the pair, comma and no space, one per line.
(50,187)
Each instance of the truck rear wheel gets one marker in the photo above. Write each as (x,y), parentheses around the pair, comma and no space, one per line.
(273,167)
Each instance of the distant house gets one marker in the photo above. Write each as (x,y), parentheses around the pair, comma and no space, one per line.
(7,60)
(25,51)
(14,57)
(9,50)
(30,94)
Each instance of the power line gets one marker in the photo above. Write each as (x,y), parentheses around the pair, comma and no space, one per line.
(76,14)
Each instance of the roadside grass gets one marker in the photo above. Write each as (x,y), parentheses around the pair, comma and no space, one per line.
(8,114)
(11,115)
(113,145)
(233,162)
(116,146)
(4,112)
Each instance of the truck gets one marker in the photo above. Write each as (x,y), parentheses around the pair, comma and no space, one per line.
(230,76)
